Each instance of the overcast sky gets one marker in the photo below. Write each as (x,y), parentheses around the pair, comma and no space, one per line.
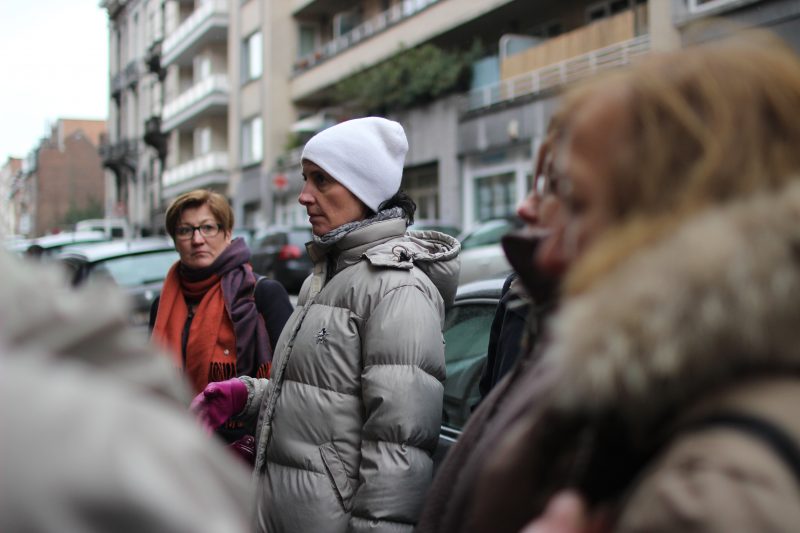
(54,60)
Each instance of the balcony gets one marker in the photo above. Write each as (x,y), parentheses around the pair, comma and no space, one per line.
(155,137)
(204,171)
(117,83)
(368,28)
(555,76)
(208,23)
(132,73)
(153,59)
(209,96)
(118,156)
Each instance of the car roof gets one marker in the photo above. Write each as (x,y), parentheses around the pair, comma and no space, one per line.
(106,250)
(65,238)
(484,288)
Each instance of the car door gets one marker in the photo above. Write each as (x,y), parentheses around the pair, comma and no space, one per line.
(466,333)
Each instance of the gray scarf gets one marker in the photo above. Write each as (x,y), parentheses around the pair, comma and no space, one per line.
(337,234)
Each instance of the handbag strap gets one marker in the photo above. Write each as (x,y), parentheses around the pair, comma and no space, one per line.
(767,431)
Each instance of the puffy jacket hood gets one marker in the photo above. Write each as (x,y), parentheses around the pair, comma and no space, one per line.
(435,253)
(386,244)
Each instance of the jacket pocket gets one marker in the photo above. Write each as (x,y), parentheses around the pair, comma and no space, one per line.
(337,474)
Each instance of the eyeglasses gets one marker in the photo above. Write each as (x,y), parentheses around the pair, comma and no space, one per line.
(185,233)
(546,184)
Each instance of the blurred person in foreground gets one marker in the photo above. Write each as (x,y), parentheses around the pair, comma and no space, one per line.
(349,420)
(663,401)
(95,436)
(214,315)
(525,301)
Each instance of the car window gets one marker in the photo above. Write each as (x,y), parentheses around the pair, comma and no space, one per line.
(135,270)
(489,233)
(273,239)
(299,238)
(466,335)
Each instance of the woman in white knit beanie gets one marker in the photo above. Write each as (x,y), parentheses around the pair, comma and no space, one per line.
(349,419)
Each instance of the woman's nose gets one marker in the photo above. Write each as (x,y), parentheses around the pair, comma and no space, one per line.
(528,209)
(305,198)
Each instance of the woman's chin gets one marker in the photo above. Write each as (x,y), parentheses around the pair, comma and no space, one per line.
(198,263)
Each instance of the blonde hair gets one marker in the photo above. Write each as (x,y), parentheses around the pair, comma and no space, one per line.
(709,123)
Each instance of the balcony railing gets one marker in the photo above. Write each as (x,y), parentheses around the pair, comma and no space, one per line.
(212,91)
(368,28)
(132,73)
(209,14)
(556,75)
(117,83)
(200,166)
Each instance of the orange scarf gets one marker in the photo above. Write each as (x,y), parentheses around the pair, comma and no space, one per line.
(211,347)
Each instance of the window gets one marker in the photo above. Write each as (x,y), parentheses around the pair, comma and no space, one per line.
(251,141)
(202,68)
(700,6)
(202,141)
(601,10)
(307,40)
(422,185)
(251,57)
(495,196)
(345,22)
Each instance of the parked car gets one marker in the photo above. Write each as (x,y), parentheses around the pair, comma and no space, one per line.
(466,332)
(482,256)
(138,266)
(247,234)
(114,228)
(49,246)
(280,253)
(435,225)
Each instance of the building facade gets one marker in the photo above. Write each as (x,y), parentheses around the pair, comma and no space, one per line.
(62,179)
(246,83)
(194,118)
(134,150)
(10,173)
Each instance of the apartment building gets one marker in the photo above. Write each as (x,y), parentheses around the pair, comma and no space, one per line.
(262,48)
(9,174)
(134,150)
(61,179)
(194,117)
(246,83)
(471,147)
(780,16)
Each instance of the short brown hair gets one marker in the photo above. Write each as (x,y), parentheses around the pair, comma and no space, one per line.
(218,204)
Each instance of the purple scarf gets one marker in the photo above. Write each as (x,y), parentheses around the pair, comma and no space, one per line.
(238,289)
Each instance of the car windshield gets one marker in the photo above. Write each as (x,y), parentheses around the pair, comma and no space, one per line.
(488,233)
(135,270)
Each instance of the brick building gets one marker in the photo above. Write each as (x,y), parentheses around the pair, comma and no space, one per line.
(63,177)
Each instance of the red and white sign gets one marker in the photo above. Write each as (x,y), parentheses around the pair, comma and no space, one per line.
(280,182)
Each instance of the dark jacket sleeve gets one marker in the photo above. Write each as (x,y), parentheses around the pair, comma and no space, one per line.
(272,301)
(505,338)
(153,313)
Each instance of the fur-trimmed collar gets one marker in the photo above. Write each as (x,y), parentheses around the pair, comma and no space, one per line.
(717,301)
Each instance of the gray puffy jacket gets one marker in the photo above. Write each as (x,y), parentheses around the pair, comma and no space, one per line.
(351,416)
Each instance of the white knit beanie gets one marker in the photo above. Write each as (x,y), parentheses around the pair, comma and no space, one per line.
(365,155)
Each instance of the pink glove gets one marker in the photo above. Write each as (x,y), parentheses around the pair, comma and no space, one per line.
(219,401)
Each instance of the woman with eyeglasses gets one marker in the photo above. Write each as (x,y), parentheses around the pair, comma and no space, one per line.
(214,314)
(665,397)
